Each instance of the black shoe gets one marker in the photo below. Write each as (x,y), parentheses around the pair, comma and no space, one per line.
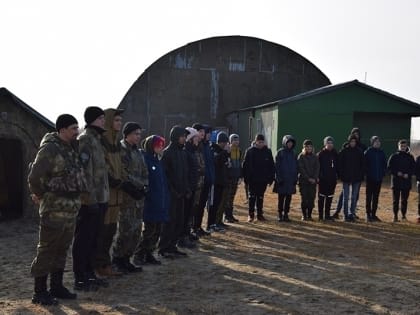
(186,243)
(139,259)
(44,298)
(57,289)
(261,217)
(229,220)
(166,255)
(130,267)
(369,218)
(151,260)
(201,232)
(118,263)
(178,253)
(85,285)
(280,218)
(235,220)
(286,218)
(375,218)
(221,224)
(335,216)
(329,219)
(194,237)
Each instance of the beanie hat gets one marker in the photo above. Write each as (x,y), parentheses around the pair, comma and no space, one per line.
(158,141)
(328,139)
(222,137)
(198,126)
(64,121)
(374,139)
(259,137)
(307,142)
(402,141)
(129,127)
(92,113)
(233,137)
(192,132)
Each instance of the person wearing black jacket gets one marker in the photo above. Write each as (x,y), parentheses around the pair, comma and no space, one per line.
(417,172)
(175,162)
(375,171)
(221,181)
(258,171)
(351,172)
(328,162)
(401,165)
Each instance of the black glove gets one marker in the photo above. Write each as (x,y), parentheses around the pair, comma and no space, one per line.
(114,183)
(132,190)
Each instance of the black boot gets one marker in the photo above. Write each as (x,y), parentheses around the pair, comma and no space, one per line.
(118,263)
(328,203)
(130,267)
(57,289)
(309,211)
(151,260)
(41,295)
(321,202)
(94,281)
(82,283)
(304,214)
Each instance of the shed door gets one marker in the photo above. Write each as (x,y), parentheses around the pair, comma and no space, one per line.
(11,180)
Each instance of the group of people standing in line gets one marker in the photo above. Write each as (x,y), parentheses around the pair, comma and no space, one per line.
(308,170)
(118,200)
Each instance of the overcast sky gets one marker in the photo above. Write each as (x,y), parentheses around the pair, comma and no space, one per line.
(61,56)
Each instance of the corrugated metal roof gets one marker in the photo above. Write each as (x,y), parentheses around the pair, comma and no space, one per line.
(45,121)
(330,88)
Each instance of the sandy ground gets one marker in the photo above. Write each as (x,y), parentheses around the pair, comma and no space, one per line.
(253,268)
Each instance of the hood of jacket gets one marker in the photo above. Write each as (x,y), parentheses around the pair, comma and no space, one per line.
(110,135)
(148,145)
(176,133)
(51,137)
(288,138)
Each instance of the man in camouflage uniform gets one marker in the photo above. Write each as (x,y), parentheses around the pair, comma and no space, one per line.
(55,180)
(135,182)
(94,203)
(112,147)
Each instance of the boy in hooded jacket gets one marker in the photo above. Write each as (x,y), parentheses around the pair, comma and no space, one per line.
(286,176)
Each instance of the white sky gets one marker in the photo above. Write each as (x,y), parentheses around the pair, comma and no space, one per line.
(61,56)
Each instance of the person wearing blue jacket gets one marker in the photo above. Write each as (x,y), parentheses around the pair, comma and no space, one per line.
(156,203)
(375,162)
(286,176)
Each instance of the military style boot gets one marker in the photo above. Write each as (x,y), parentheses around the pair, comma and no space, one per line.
(41,295)
(130,267)
(57,289)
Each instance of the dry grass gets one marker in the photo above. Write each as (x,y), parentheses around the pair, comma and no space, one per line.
(258,268)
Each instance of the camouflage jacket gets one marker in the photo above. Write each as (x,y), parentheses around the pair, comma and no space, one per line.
(134,166)
(57,177)
(92,156)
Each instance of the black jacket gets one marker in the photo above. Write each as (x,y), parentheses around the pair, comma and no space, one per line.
(221,165)
(328,165)
(175,161)
(193,171)
(258,165)
(351,165)
(401,162)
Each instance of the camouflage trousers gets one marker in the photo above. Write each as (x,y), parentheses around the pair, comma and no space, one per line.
(149,238)
(226,205)
(129,229)
(55,236)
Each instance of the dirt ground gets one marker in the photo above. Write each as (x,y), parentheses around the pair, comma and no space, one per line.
(252,268)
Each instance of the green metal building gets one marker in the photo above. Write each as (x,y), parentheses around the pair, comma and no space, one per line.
(329,111)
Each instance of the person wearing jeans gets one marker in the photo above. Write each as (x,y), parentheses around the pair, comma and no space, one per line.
(351,170)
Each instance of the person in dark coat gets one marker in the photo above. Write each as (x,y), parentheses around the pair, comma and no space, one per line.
(286,176)
(221,167)
(175,161)
(351,172)
(401,164)
(258,171)
(308,166)
(157,201)
(328,169)
(375,171)
(208,178)
(417,173)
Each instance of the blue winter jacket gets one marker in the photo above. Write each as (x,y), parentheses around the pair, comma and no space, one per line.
(209,161)
(286,168)
(375,160)
(157,202)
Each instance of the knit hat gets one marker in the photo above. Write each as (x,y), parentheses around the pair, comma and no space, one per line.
(192,132)
(64,121)
(129,127)
(222,137)
(92,113)
(233,137)
(328,139)
(198,126)
(259,137)
(307,142)
(402,141)
(374,139)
